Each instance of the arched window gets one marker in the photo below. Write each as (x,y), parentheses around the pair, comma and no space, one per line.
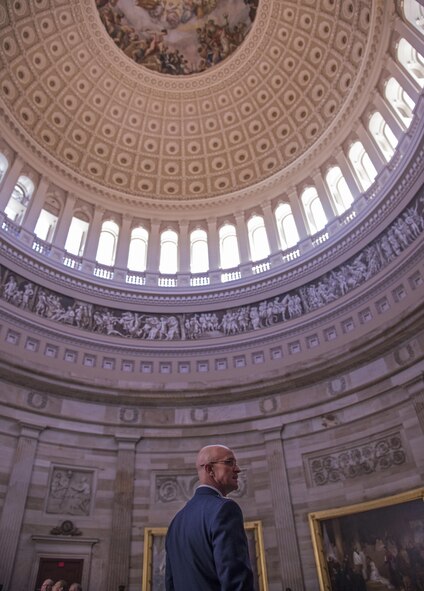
(339,189)
(411,60)
(168,252)
(4,165)
(313,209)
(361,162)
(286,226)
(414,13)
(383,135)
(199,255)
(77,235)
(18,202)
(137,255)
(228,247)
(258,240)
(108,241)
(46,225)
(401,102)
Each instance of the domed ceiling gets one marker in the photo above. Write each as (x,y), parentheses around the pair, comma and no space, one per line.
(177,36)
(84,107)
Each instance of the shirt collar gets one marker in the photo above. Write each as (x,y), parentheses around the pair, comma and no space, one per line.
(212,487)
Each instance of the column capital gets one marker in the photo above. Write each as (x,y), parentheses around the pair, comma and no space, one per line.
(30,430)
(273,433)
(127,442)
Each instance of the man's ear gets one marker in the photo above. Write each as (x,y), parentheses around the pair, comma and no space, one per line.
(209,469)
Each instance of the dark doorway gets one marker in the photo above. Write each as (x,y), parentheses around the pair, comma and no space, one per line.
(68,569)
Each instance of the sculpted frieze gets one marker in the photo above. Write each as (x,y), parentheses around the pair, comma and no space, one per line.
(377,454)
(256,316)
(170,488)
(70,491)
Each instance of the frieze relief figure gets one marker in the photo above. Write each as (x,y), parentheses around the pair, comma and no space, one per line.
(70,492)
(205,325)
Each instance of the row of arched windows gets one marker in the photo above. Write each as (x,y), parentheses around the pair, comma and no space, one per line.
(338,194)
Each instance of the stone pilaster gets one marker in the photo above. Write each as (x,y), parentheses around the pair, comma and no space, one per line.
(122,510)
(15,500)
(291,570)
(416,394)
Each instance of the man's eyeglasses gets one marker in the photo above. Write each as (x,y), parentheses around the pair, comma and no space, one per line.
(230,462)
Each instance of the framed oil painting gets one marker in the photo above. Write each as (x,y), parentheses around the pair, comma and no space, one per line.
(154,557)
(372,546)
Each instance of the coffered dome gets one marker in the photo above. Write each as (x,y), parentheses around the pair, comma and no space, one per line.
(275,105)
(301,149)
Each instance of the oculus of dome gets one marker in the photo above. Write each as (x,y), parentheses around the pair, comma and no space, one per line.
(177,37)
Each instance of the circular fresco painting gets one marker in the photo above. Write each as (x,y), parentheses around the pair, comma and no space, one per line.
(177,36)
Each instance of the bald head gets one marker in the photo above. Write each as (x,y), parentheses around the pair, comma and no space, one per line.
(210,453)
(216,466)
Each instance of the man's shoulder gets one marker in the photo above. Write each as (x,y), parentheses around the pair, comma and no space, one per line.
(208,494)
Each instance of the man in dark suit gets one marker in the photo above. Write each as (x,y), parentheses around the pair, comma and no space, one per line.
(206,545)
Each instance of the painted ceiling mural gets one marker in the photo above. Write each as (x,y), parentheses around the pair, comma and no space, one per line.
(177,36)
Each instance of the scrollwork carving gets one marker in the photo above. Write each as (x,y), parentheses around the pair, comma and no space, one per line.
(358,461)
(172,488)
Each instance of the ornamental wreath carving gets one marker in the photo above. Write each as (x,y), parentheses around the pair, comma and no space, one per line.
(362,460)
(172,488)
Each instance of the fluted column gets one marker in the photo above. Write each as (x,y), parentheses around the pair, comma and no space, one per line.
(15,499)
(408,84)
(121,258)
(153,254)
(346,167)
(35,205)
(122,511)
(298,214)
(410,34)
(291,570)
(418,402)
(93,234)
(64,222)
(10,180)
(371,149)
(324,195)
(153,248)
(213,244)
(183,248)
(388,116)
(242,238)
(213,251)
(272,233)
(243,244)
(415,392)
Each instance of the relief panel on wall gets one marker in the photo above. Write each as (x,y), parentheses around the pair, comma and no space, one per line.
(374,454)
(172,487)
(70,491)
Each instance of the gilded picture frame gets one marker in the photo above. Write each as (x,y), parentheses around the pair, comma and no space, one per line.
(369,539)
(154,557)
